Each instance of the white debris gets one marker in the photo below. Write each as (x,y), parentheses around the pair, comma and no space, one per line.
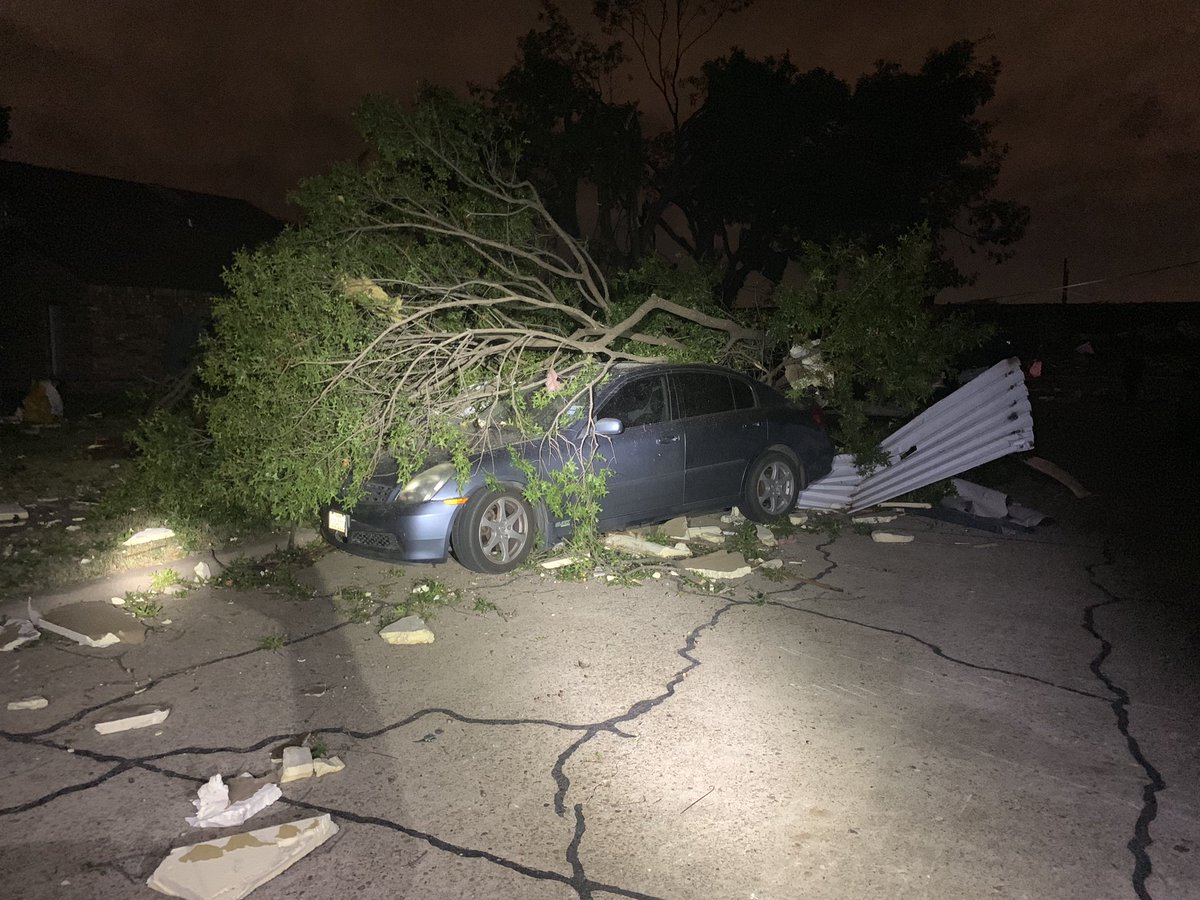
(130,718)
(90,623)
(890,537)
(12,514)
(16,632)
(327,766)
(765,535)
(213,809)
(724,564)
(117,601)
(874,520)
(798,518)
(29,703)
(699,531)
(675,529)
(229,868)
(558,562)
(297,764)
(980,500)
(202,571)
(409,630)
(904,504)
(149,536)
(636,546)
(772,564)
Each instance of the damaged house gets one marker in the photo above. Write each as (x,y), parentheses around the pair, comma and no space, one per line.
(105,283)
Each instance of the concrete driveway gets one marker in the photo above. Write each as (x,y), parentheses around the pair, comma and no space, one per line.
(963,716)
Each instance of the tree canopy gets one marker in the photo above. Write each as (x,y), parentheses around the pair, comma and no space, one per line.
(773,157)
(430,304)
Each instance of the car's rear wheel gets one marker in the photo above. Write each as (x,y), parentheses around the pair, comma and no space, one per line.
(494,532)
(771,487)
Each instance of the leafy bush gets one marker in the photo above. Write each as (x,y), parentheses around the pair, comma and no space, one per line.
(881,342)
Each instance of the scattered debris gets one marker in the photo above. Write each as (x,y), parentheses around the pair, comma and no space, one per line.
(772,564)
(712,533)
(327,766)
(202,571)
(148,536)
(675,529)
(977,499)
(723,564)
(980,507)
(558,562)
(214,809)
(1048,468)
(890,537)
(409,630)
(798,518)
(90,623)
(297,764)
(623,542)
(131,717)
(230,868)
(29,703)
(765,535)
(874,520)
(43,405)
(904,504)
(735,517)
(12,514)
(16,632)
(117,601)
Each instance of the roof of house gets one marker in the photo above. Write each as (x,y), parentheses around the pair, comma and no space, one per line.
(125,233)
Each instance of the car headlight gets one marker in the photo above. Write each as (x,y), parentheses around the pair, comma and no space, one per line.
(422,488)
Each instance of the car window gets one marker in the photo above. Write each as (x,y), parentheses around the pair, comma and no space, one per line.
(641,402)
(743,394)
(702,393)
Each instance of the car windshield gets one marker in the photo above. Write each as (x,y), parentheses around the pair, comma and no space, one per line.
(538,411)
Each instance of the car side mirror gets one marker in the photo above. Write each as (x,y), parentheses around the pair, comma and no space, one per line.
(609,426)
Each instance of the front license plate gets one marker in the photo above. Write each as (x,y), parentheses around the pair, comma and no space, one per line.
(337,521)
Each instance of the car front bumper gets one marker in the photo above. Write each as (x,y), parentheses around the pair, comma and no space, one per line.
(390,532)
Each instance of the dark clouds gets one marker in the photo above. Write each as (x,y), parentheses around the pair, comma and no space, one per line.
(1097,100)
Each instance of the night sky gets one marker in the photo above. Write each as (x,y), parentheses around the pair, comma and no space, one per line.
(1099,100)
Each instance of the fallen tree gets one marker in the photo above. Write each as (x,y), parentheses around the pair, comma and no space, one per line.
(429,304)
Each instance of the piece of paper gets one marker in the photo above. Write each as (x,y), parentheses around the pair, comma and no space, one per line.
(213,809)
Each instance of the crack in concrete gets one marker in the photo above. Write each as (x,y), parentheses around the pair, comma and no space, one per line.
(154,682)
(578,880)
(929,645)
(1139,844)
(635,711)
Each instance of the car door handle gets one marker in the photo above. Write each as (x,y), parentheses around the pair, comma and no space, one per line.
(668,439)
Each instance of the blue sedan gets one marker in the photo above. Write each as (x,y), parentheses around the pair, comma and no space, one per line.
(675,439)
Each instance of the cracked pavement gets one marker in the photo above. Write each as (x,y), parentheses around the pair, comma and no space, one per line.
(967,716)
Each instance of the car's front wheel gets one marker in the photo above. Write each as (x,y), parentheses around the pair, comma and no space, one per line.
(494,532)
(771,487)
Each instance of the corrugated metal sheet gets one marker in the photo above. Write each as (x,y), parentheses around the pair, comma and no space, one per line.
(985,419)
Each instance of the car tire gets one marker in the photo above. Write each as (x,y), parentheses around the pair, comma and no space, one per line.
(494,532)
(772,483)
